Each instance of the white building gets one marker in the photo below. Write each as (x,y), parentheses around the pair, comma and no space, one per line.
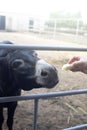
(15,22)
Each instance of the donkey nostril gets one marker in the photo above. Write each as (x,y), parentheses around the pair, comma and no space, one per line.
(44,73)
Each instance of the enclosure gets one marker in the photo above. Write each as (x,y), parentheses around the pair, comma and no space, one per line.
(58,112)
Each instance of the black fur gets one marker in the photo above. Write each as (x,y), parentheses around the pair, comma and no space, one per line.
(14,76)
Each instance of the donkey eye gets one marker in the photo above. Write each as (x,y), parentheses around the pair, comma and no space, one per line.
(17,63)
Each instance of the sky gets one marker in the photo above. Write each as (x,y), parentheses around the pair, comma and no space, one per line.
(43,7)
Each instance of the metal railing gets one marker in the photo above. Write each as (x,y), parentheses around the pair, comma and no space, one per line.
(36,97)
(44,47)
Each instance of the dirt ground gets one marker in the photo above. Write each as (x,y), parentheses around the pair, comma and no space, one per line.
(54,113)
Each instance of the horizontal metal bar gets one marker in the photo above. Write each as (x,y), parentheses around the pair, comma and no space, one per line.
(79,127)
(42,96)
(44,47)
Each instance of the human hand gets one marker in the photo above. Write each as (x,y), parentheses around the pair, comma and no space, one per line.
(78,63)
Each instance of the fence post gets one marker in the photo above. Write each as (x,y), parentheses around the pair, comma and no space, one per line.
(35,113)
(54,30)
(77,27)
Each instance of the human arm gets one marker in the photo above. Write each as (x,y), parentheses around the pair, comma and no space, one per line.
(78,63)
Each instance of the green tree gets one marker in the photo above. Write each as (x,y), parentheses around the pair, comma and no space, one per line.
(64,19)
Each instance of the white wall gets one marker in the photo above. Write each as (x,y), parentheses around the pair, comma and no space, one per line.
(17,23)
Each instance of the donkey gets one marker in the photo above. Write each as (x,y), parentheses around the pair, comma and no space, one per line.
(22,70)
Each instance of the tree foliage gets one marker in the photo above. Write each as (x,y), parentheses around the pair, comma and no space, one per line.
(64,19)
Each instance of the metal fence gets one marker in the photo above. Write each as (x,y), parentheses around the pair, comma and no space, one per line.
(36,97)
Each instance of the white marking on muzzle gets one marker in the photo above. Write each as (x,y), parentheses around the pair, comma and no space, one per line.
(41,65)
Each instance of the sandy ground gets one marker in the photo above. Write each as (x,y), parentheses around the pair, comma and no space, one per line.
(54,113)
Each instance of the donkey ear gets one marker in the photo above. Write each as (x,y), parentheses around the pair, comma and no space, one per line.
(17,63)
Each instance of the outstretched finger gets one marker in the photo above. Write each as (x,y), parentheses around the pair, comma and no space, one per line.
(73,59)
